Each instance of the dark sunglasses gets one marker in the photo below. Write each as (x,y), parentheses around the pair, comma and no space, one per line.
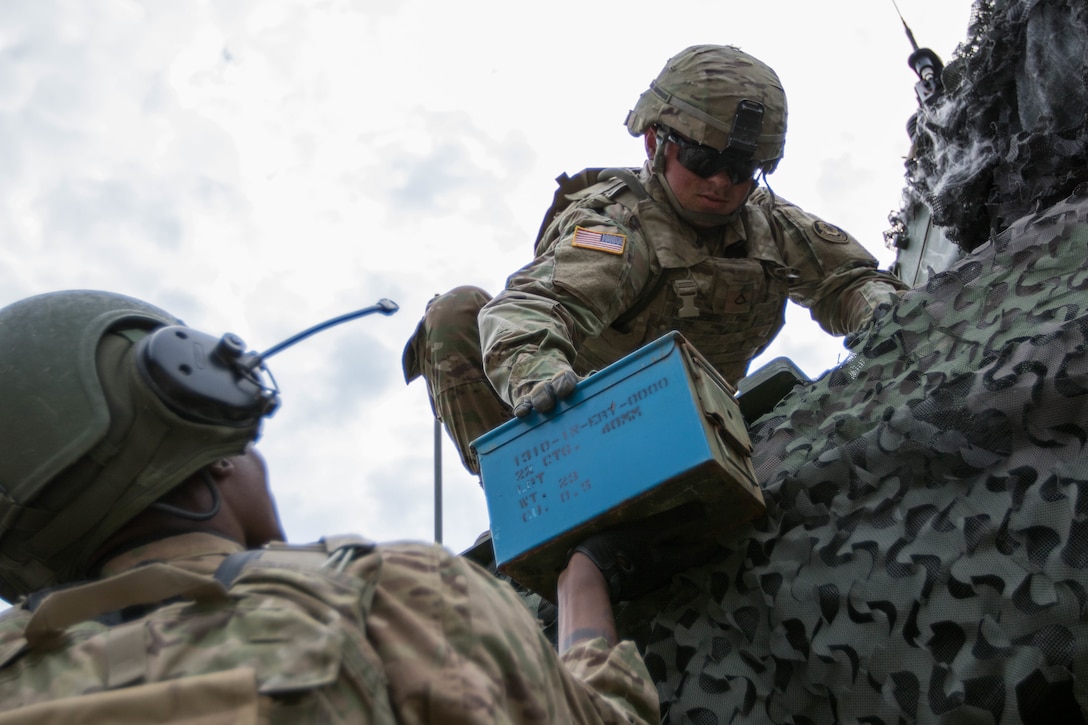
(705,161)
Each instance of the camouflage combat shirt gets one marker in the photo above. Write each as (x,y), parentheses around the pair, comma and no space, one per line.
(404,633)
(618,268)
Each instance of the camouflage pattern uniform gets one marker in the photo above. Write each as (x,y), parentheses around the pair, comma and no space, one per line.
(403,633)
(723,288)
(924,557)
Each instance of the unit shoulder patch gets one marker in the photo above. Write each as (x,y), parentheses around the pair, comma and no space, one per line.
(830,232)
(600,241)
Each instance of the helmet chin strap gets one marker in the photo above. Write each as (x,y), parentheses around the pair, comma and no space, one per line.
(181,513)
(695,218)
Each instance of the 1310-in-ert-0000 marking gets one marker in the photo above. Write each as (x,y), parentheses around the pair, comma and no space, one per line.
(553,451)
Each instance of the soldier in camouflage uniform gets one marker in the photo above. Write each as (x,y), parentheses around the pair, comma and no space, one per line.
(688,243)
(130,510)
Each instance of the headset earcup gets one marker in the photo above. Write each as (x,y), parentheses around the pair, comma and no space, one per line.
(202,378)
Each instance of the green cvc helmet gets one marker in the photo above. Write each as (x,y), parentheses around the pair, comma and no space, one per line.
(86,442)
(721,97)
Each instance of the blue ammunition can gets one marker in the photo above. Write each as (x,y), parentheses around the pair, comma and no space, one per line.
(654,430)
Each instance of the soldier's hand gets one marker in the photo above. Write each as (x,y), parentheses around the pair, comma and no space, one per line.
(543,396)
(641,557)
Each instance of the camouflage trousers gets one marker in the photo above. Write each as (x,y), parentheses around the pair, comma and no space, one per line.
(445,351)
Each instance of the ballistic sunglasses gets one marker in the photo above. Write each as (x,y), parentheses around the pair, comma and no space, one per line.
(706,161)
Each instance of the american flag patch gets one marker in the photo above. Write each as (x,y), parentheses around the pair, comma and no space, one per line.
(586,239)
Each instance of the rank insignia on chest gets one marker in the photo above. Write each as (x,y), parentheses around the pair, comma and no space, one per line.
(602,242)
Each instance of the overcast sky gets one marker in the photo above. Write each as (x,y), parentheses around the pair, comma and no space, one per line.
(258,166)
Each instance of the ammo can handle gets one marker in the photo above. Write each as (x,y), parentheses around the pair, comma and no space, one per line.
(727,421)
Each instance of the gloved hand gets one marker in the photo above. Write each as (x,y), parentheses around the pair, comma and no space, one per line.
(543,396)
(641,557)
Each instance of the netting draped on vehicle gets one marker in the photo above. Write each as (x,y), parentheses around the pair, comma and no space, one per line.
(925,548)
(1009,135)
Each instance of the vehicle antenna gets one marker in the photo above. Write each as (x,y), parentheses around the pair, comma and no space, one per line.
(926,65)
(910,35)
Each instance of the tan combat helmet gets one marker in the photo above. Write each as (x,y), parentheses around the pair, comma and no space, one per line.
(721,97)
(87,441)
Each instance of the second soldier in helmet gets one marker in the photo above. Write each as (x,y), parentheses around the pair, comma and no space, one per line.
(689,242)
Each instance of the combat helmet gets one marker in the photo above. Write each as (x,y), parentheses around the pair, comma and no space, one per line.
(87,440)
(721,97)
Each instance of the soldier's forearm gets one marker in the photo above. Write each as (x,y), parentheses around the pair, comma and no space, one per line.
(849,307)
(585,611)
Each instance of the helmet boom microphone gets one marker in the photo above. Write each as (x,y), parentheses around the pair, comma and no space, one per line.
(384,306)
(216,381)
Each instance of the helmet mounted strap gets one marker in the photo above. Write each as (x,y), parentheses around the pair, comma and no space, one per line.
(679,103)
(658,161)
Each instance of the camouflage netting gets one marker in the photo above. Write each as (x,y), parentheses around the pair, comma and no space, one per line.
(925,552)
(1009,136)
